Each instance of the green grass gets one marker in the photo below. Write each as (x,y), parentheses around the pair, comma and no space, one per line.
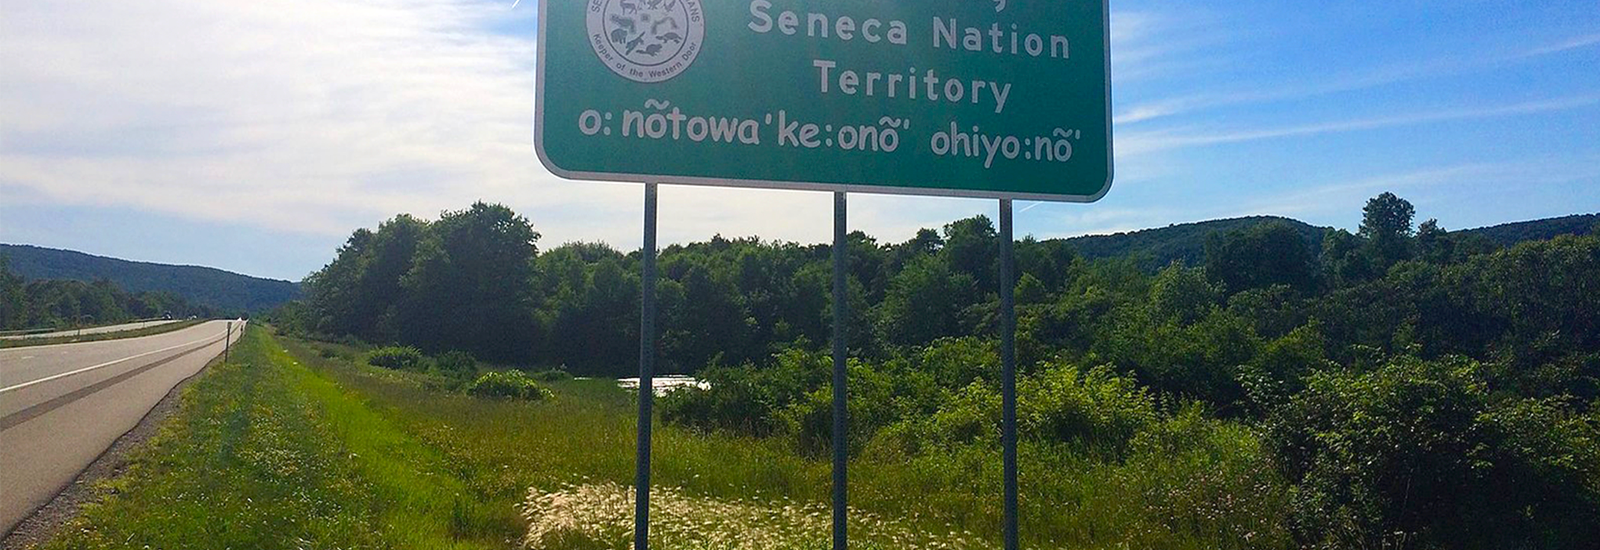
(98,336)
(1194,483)
(265,454)
(296,444)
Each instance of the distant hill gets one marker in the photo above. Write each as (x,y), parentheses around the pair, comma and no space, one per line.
(1508,234)
(1185,242)
(202,285)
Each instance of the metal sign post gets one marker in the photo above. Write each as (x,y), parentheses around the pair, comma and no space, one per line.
(841,315)
(1008,373)
(647,360)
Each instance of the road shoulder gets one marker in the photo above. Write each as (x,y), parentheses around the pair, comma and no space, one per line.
(48,519)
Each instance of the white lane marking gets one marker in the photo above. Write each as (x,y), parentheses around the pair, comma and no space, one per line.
(102,365)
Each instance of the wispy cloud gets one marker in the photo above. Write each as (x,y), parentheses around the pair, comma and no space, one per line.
(1147,44)
(1565,45)
(1137,143)
(1306,88)
(1319,200)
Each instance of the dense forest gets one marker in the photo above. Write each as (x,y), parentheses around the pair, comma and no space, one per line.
(200,285)
(1186,242)
(1400,386)
(60,304)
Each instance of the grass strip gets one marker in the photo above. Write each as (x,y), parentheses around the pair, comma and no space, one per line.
(265,454)
(99,336)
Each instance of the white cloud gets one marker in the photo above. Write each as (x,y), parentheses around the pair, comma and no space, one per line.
(1565,45)
(295,114)
(1148,44)
(1138,143)
(1298,89)
(319,116)
(1422,185)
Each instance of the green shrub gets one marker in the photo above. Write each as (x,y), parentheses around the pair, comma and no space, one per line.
(870,405)
(971,415)
(1200,360)
(456,363)
(512,384)
(1194,473)
(1095,408)
(395,357)
(1424,451)
(956,362)
(748,399)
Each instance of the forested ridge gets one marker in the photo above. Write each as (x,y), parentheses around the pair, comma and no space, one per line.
(61,304)
(204,286)
(1157,247)
(1400,386)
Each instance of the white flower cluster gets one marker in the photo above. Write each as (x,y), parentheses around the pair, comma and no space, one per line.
(604,512)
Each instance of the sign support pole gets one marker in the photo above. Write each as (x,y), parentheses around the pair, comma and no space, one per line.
(1008,371)
(647,358)
(841,317)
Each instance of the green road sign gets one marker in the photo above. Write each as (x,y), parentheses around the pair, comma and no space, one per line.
(978,98)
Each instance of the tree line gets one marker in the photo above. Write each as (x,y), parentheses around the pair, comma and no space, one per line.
(61,304)
(1399,381)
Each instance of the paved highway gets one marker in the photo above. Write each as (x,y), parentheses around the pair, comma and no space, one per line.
(63,405)
(90,330)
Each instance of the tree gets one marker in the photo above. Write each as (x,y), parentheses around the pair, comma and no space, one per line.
(1182,295)
(1344,261)
(13,309)
(970,248)
(470,286)
(924,302)
(927,241)
(1434,244)
(1386,226)
(1260,256)
(1050,262)
(589,309)
(330,291)
(711,326)
(1030,291)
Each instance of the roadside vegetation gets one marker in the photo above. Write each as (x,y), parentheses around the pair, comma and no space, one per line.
(1289,387)
(1399,387)
(305,445)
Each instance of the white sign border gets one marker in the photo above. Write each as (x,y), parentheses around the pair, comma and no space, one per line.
(538,147)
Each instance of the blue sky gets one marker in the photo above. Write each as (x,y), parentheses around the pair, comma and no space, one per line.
(253,136)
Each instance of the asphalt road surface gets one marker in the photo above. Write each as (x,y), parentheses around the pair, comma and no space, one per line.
(90,330)
(63,405)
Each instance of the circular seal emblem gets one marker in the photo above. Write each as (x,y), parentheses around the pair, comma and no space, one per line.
(646,40)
